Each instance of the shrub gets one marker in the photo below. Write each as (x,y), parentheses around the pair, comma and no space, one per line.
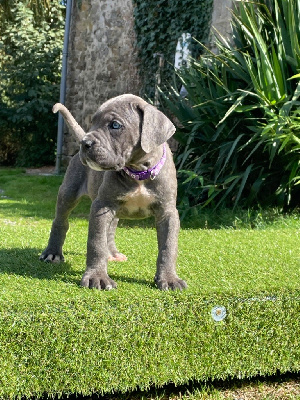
(239,124)
(30,58)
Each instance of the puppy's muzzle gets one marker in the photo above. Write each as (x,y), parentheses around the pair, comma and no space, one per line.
(99,157)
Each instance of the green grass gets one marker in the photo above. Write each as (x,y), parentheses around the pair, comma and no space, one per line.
(59,338)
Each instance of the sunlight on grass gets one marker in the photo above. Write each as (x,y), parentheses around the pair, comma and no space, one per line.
(137,336)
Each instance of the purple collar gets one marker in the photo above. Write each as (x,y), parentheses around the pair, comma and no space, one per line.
(149,173)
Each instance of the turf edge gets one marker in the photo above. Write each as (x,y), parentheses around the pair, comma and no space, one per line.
(119,345)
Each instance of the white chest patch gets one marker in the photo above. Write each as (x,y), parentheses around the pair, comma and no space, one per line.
(136,204)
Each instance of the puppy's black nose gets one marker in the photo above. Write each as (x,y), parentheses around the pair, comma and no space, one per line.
(87,143)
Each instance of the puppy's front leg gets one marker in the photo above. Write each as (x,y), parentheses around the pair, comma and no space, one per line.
(95,275)
(167,225)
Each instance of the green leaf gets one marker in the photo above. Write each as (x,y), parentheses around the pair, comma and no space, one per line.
(242,184)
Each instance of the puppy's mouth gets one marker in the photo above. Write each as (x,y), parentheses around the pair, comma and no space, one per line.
(97,167)
(101,166)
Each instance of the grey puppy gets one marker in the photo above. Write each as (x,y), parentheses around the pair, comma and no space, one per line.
(127,169)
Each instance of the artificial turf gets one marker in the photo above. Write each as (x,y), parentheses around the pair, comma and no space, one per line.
(57,338)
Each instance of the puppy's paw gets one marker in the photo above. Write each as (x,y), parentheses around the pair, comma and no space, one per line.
(95,279)
(51,256)
(173,283)
(117,257)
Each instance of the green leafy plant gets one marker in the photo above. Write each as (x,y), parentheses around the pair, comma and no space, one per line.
(30,59)
(239,124)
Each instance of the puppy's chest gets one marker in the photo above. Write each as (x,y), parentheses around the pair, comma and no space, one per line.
(136,203)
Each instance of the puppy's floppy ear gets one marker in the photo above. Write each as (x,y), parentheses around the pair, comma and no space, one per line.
(156,128)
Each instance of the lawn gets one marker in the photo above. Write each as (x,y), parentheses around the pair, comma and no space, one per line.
(59,338)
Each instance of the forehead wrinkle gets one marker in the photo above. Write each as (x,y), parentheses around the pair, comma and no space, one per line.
(126,113)
(110,116)
(103,116)
(122,110)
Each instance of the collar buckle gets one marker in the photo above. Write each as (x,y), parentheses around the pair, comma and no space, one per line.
(152,175)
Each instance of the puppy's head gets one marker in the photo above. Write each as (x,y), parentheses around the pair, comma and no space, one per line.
(123,130)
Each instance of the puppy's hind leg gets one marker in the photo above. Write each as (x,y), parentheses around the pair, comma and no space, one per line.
(114,254)
(66,202)
(71,190)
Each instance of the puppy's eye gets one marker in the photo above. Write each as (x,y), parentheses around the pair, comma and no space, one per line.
(115,125)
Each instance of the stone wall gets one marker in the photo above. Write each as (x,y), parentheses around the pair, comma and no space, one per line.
(102,60)
(220,23)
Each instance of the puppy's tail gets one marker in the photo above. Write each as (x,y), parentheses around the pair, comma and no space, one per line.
(79,133)
(57,107)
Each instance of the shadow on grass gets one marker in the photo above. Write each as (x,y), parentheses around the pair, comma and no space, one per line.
(26,263)
(134,280)
(13,209)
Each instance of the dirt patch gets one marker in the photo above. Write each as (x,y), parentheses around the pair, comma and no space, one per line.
(46,170)
(285,390)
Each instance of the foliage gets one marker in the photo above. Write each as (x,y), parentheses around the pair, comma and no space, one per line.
(59,339)
(30,59)
(40,8)
(159,25)
(239,124)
